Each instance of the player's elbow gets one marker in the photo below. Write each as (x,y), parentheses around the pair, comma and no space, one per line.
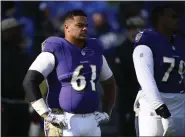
(28,88)
(31,84)
(33,77)
(27,83)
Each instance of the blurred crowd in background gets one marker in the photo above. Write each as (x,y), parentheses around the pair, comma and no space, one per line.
(113,23)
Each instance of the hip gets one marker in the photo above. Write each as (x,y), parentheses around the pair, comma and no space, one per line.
(174,101)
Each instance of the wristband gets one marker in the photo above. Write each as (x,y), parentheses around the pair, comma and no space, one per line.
(163,111)
(40,106)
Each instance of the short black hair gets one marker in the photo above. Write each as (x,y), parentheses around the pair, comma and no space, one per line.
(157,12)
(73,13)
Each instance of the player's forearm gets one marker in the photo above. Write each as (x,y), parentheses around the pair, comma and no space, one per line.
(109,87)
(38,71)
(31,84)
(31,87)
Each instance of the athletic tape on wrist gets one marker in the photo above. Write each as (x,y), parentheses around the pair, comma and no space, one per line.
(40,106)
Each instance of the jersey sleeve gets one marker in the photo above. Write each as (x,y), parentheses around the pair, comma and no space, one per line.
(44,63)
(142,38)
(144,67)
(106,72)
(52,45)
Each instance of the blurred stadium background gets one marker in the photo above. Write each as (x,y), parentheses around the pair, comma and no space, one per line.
(114,23)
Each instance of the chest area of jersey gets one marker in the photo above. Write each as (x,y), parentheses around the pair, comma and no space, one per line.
(169,61)
(84,63)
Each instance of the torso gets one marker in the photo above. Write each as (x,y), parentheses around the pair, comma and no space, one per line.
(169,61)
(78,71)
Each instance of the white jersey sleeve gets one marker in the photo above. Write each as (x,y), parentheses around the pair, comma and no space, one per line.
(44,63)
(106,72)
(144,67)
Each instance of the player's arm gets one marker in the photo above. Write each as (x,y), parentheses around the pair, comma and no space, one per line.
(109,86)
(38,71)
(144,66)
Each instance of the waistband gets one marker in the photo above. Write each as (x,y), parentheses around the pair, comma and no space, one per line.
(80,115)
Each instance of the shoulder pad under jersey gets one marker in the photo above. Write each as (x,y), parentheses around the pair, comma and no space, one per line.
(96,44)
(52,44)
(146,37)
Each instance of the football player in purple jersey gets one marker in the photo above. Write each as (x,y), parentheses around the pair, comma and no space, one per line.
(159,60)
(72,66)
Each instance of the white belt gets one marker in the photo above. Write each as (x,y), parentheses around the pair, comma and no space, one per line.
(80,115)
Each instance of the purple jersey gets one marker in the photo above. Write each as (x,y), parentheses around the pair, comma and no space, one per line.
(72,84)
(169,60)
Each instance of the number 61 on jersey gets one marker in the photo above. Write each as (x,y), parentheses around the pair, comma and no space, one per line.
(82,81)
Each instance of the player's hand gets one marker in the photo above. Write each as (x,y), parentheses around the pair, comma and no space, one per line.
(168,126)
(101,117)
(167,121)
(58,119)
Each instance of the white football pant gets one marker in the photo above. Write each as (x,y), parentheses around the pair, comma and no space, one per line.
(81,125)
(148,123)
